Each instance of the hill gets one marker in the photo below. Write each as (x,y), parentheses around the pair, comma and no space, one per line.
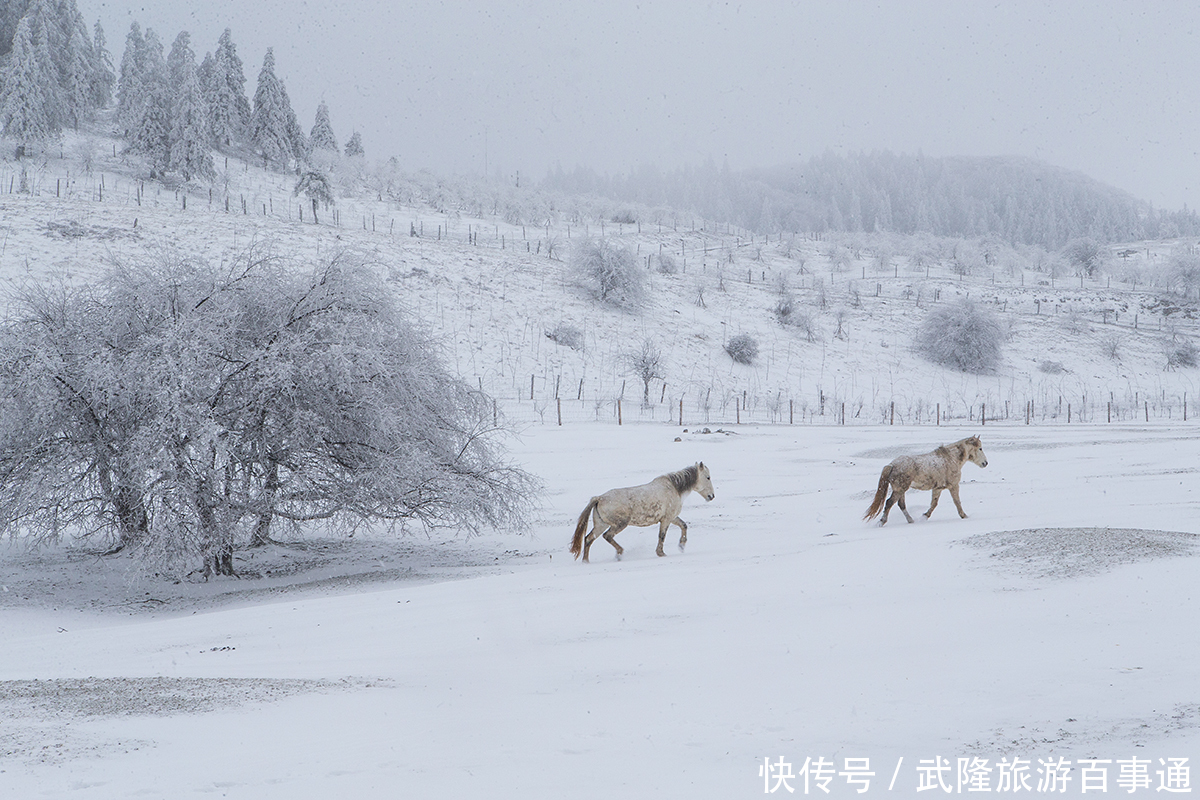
(487,269)
(1017,200)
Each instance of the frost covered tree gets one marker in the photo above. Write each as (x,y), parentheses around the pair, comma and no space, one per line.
(647,364)
(129,86)
(180,59)
(315,186)
(151,134)
(186,411)
(27,99)
(273,126)
(225,89)
(78,77)
(322,138)
(190,155)
(354,147)
(102,69)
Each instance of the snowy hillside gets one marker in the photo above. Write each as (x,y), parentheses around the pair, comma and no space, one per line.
(488,289)
(1052,625)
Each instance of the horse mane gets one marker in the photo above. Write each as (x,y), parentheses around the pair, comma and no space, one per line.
(684,480)
(956,450)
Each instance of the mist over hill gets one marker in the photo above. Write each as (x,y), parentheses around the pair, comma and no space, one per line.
(1020,200)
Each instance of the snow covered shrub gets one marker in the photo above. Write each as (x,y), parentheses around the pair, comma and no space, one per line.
(742,348)
(962,336)
(626,217)
(1052,367)
(610,273)
(1111,347)
(566,335)
(788,312)
(667,264)
(1182,353)
(184,410)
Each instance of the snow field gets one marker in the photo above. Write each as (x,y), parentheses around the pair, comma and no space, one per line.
(790,628)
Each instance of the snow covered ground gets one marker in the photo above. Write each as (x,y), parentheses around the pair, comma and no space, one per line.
(1058,620)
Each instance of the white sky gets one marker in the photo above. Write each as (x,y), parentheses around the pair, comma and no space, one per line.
(1106,88)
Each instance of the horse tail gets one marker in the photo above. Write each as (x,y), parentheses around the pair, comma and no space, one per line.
(881,494)
(581,528)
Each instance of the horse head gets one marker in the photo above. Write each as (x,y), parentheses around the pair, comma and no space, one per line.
(976,451)
(704,482)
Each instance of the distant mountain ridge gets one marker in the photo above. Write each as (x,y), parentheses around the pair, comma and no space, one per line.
(1020,200)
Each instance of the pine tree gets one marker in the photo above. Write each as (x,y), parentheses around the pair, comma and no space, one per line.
(129,89)
(190,155)
(354,147)
(25,100)
(102,69)
(47,30)
(77,86)
(152,133)
(296,138)
(322,137)
(272,123)
(178,61)
(229,110)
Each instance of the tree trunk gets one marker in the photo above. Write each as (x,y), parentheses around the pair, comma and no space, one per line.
(315,220)
(266,514)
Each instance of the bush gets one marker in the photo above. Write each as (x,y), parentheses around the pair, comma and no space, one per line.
(1052,367)
(667,264)
(1182,353)
(788,312)
(1111,347)
(566,335)
(742,348)
(962,336)
(610,273)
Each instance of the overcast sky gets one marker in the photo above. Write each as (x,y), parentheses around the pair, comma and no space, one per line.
(1109,89)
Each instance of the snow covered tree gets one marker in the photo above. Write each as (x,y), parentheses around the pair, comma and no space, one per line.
(187,410)
(102,69)
(151,135)
(190,155)
(354,147)
(129,87)
(647,364)
(322,138)
(225,88)
(27,100)
(273,126)
(315,186)
(180,60)
(77,80)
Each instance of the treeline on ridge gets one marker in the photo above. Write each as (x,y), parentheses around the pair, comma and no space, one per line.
(1021,200)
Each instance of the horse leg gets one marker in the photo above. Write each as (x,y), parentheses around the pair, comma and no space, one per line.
(609,537)
(598,526)
(900,502)
(683,535)
(662,536)
(933,501)
(957,504)
(887,507)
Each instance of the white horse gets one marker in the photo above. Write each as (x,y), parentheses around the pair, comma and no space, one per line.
(941,469)
(658,501)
